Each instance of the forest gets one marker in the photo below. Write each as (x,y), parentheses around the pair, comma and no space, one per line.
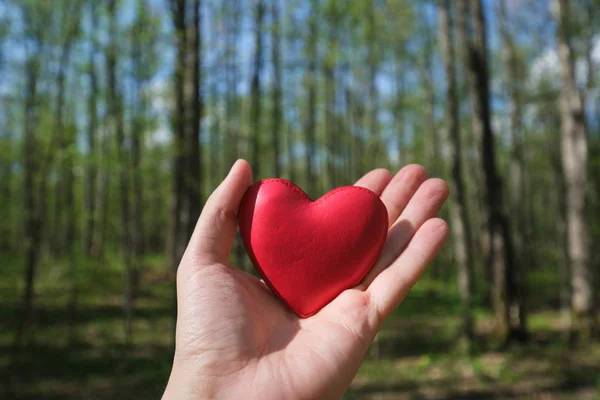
(118,118)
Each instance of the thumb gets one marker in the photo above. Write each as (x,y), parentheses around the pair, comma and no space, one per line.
(215,231)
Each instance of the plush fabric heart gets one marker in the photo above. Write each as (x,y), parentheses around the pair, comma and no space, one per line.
(308,251)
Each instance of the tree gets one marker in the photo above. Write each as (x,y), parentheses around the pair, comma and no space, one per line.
(186,193)
(514,79)
(574,149)
(33,211)
(332,140)
(431,146)
(143,58)
(277,106)
(195,113)
(461,226)
(175,241)
(310,125)
(115,104)
(92,159)
(255,90)
(374,151)
(507,304)
(7,160)
(71,23)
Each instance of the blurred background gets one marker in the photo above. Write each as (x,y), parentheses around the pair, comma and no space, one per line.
(119,117)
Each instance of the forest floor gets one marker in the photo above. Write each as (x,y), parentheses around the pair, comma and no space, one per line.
(417,356)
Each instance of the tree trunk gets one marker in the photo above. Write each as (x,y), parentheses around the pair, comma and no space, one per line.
(116,116)
(33,223)
(195,112)
(233,105)
(331,130)
(255,89)
(311,112)
(137,147)
(6,185)
(506,297)
(99,233)
(373,153)
(431,137)
(562,239)
(60,192)
(400,80)
(91,170)
(481,233)
(461,226)
(277,106)
(574,148)
(175,247)
(70,232)
(517,162)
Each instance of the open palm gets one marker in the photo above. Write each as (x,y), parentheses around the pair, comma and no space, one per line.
(235,339)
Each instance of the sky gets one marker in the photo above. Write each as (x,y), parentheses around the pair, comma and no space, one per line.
(544,63)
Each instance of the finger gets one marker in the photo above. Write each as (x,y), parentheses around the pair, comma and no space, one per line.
(400,190)
(215,231)
(425,204)
(391,286)
(375,180)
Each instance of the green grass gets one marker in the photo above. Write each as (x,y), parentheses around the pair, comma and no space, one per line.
(418,358)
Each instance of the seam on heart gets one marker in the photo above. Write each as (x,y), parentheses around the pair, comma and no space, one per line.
(345,188)
(299,190)
(287,183)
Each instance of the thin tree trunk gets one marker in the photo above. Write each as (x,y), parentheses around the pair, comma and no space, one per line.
(71,219)
(574,149)
(255,112)
(290,139)
(176,207)
(196,110)
(91,171)
(6,187)
(373,153)
(33,223)
(461,226)
(277,107)
(217,132)
(431,138)
(137,140)
(354,114)
(116,116)
(562,239)
(311,112)
(330,94)
(58,244)
(99,232)
(400,80)
(517,163)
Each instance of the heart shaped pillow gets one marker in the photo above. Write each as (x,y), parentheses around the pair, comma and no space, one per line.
(307,251)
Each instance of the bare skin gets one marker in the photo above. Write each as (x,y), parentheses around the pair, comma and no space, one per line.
(236,340)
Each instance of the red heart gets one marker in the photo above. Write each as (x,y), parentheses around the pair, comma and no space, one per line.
(309,252)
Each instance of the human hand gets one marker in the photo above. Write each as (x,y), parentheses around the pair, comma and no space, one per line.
(236,340)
